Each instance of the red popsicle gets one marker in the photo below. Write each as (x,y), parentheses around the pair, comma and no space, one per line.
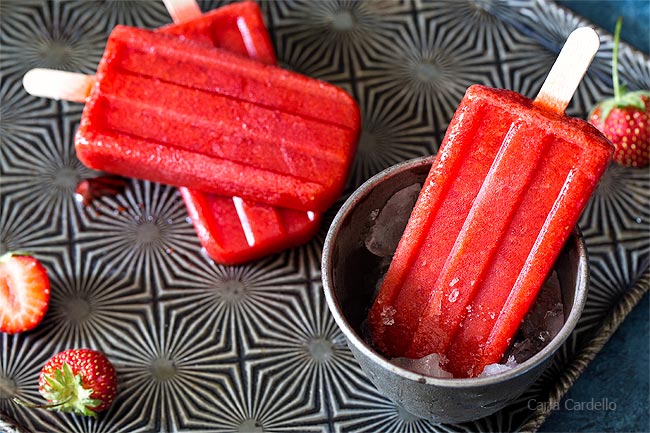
(233,230)
(507,187)
(177,112)
(237,27)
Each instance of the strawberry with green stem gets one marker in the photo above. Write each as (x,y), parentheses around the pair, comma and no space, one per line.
(80,381)
(625,118)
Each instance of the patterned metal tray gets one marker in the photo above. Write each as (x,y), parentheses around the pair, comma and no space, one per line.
(203,347)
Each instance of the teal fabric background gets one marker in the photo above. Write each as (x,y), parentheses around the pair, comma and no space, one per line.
(635,13)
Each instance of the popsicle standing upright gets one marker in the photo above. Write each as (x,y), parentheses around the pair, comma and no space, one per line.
(504,192)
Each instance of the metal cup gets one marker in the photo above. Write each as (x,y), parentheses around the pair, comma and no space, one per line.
(350,273)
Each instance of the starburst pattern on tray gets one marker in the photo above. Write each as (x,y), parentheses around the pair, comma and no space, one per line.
(616,212)
(525,67)
(22,231)
(18,114)
(140,13)
(390,135)
(427,67)
(456,18)
(615,225)
(304,347)
(20,365)
(521,72)
(40,170)
(199,346)
(87,305)
(36,154)
(145,229)
(330,39)
(248,297)
(174,375)
(49,36)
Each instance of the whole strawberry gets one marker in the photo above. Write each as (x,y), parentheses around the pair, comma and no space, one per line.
(81,381)
(24,292)
(625,118)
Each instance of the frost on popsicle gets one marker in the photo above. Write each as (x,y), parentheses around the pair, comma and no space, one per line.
(540,326)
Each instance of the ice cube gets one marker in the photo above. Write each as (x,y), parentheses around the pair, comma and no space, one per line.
(390,221)
(542,323)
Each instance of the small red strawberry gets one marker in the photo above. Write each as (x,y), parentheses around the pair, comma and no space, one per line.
(24,292)
(81,381)
(625,118)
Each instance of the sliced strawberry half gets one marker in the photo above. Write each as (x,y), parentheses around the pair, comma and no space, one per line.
(24,293)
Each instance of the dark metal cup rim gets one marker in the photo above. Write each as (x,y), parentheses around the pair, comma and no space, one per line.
(363,347)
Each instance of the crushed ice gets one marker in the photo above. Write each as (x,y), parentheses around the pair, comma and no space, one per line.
(388,315)
(542,323)
(494,369)
(430,365)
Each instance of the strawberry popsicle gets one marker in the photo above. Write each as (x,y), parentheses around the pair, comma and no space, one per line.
(235,231)
(237,27)
(504,192)
(232,230)
(178,112)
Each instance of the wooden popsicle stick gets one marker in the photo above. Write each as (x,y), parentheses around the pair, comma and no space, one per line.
(569,68)
(183,10)
(54,84)
(75,87)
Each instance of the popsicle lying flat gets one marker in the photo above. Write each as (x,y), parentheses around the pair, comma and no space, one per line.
(262,229)
(232,230)
(229,238)
(504,192)
(181,113)
(237,27)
